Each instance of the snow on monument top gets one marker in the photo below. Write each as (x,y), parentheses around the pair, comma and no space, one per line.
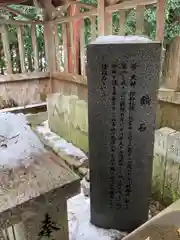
(111,39)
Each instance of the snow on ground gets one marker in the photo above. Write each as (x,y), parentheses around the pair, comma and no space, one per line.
(80,227)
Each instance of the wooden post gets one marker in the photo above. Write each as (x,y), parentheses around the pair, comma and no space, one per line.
(108,25)
(82,48)
(73,38)
(122,22)
(21,48)
(171,68)
(65,47)
(56,39)
(93,27)
(49,39)
(6,49)
(50,46)
(73,48)
(140,20)
(35,47)
(101,17)
(160,19)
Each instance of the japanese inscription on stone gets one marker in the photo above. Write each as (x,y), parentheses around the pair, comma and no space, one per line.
(121,109)
(47,228)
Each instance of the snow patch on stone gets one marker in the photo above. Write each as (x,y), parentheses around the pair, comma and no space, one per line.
(58,144)
(120,39)
(17,141)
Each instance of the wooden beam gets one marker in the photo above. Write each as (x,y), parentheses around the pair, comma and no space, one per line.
(59,13)
(35,47)
(93,27)
(122,21)
(160,20)
(20,22)
(21,48)
(85,5)
(129,5)
(111,8)
(82,48)
(140,9)
(50,46)
(9,9)
(65,47)
(6,48)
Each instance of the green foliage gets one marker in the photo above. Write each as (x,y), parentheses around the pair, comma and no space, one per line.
(172,20)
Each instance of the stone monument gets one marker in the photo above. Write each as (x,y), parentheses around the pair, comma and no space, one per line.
(123,77)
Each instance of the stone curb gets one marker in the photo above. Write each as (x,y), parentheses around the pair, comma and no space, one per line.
(78,163)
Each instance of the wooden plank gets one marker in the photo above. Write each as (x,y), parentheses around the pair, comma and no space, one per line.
(108,25)
(160,22)
(122,21)
(70,77)
(21,48)
(85,5)
(65,50)
(6,48)
(20,22)
(34,108)
(93,27)
(82,48)
(101,17)
(56,40)
(140,19)
(74,62)
(24,77)
(35,47)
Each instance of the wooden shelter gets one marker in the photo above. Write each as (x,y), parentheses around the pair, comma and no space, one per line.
(28,78)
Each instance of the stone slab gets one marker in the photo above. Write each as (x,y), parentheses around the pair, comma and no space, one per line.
(171,183)
(164,225)
(27,189)
(122,95)
(67,116)
(160,161)
(50,223)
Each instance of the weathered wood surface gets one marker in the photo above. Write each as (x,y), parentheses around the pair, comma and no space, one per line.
(23,89)
(33,182)
(171,70)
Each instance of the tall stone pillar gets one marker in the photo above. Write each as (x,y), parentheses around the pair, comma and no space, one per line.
(123,76)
